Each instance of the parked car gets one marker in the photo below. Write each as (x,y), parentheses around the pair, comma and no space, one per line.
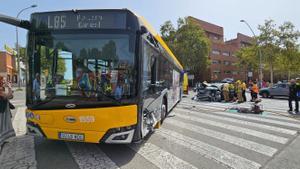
(227,80)
(280,89)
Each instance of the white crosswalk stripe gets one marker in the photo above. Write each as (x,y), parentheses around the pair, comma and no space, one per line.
(243,130)
(18,102)
(217,105)
(288,124)
(211,152)
(272,128)
(162,159)
(90,156)
(19,122)
(266,150)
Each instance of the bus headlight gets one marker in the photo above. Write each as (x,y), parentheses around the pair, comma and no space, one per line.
(32,116)
(119,135)
(29,115)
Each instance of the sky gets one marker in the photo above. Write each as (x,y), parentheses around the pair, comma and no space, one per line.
(225,13)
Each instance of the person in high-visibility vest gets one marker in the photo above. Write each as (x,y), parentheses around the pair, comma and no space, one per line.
(244,87)
(255,91)
(225,91)
(239,90)
(231,91)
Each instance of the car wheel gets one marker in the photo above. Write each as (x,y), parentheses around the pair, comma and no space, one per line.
(265,95)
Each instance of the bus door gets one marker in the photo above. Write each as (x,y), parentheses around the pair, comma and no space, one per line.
(151,90)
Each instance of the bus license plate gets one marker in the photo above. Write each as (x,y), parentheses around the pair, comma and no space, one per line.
(71,136)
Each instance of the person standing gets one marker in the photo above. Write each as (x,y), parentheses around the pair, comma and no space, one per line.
(226,92)
(6,128)
(293,96)
(244,87)
(36,88)
(231,91)
(254,91)
(239,91)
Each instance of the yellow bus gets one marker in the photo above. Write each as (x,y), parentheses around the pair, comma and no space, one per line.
(98,76)
(185,83)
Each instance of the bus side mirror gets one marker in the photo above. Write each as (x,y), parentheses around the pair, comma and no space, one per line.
(143,30)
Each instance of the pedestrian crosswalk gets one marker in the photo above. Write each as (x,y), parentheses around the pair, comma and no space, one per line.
(90,156)
(16,103)
(194,132)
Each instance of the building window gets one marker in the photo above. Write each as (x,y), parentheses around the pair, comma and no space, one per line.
(227,63)
(215,37)
(227,72)
(226,53)
(215,62)
(216,71)
(235,72)
(215,52)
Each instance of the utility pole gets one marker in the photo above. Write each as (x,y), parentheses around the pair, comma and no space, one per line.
(17,46)
(259,51)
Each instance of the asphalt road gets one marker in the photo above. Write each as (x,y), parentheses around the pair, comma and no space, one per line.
(195,135)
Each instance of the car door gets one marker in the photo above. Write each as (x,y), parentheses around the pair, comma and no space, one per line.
(281,90)
(285,90)
(273,90)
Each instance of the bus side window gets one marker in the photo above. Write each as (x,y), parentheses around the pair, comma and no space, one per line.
(149,67)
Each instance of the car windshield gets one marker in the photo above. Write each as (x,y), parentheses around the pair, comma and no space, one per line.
(83,67)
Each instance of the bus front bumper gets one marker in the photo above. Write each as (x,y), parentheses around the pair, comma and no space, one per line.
(123,135)
(114,125)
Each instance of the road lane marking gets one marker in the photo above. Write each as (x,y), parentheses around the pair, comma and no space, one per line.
(250,145)
(228,105)
(19,153)
(204,107)
(288,124)
(19,122)
(208,151)
(263,126)
(239,129)
(162,159)
(90,156)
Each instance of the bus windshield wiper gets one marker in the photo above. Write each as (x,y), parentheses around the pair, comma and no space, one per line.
(111,98)
(44,102)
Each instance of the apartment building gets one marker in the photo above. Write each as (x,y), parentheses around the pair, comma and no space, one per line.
(222,54)
(8,66)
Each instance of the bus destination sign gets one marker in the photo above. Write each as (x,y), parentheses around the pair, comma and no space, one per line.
(79,20)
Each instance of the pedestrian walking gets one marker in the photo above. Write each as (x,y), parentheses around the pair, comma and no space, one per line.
(244,88)
(293,91)
(226,92)
(6,128)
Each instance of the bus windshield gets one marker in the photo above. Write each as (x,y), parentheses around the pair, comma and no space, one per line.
(82,69)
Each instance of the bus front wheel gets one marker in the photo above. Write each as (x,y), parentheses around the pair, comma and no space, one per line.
(163,111)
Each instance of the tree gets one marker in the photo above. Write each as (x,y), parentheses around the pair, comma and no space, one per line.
(248,57)
(267,43)
(287,41)
(190,44)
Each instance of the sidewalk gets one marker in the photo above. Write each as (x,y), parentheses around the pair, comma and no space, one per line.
(288,158)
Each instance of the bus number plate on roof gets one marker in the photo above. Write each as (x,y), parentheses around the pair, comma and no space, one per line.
(71,136)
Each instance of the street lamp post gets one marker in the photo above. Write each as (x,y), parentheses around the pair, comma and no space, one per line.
(259,50)
(17,46)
